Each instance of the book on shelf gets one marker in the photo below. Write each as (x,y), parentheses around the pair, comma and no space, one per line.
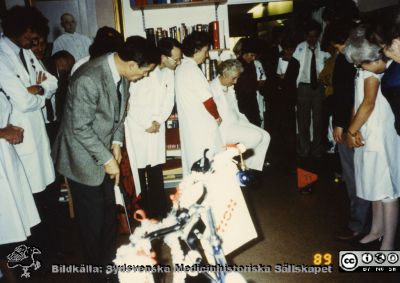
(214,32)
(173,146)
(150,36)
(209,69)
(172,124)
(172,171)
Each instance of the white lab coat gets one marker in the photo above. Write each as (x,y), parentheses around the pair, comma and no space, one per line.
(152,99)
(300,55)
(198,129)
(377,170)
(34,152)
(236,128)
(18,211)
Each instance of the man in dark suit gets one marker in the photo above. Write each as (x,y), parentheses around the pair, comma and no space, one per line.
(87,149)
(282,99)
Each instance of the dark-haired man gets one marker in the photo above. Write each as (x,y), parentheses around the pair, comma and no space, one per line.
(27,85)
(87,149)
(61,64)
(145,127)
(248,83)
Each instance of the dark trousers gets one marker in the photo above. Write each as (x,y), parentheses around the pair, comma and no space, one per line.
(52,129)
(96,214)
(359,208)
(45,235)
(154,199)
(310,102)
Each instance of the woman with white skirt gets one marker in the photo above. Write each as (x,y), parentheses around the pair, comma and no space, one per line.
(377,146)
(18,213)
(235,127)
(197,113)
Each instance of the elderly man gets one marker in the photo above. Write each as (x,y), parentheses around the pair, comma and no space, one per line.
(71,41)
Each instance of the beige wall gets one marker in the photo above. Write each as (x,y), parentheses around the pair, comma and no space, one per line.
(105,13)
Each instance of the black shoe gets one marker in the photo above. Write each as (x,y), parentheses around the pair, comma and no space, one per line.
(348,235)
(306,190)
(370,246)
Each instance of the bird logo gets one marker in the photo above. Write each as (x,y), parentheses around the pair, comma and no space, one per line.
(24,257)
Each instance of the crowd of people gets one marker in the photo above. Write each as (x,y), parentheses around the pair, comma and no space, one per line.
(69,114)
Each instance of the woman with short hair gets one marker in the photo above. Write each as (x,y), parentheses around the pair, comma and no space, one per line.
(235,127)
(376,143)
(197,113)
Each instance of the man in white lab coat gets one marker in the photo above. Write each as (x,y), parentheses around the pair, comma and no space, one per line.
(75,43)
(310,94)
(149,107)
(27,85)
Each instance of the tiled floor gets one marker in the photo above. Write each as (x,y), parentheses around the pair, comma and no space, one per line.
(292,229)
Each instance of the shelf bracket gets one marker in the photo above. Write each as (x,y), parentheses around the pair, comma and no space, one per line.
(143,18)
(216,10)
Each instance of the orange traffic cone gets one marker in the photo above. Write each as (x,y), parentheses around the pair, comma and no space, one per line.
(305,178)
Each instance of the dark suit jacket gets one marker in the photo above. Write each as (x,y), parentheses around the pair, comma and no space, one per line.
(288,84)
(390,86)
(92,121)
(246,92)
(343,92)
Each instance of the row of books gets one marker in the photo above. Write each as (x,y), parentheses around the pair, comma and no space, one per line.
(173,146)
(209,69)
(180,32)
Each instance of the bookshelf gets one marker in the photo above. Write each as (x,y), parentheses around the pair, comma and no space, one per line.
(165,17)
(172,169)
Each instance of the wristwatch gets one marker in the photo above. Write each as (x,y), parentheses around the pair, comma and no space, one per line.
(41,90)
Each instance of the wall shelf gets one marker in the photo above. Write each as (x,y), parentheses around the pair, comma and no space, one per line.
(175,5)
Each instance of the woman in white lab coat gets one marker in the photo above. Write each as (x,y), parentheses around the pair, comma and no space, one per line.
(377,146)
(18,211)
(197,112)
(34,152)
(235,127)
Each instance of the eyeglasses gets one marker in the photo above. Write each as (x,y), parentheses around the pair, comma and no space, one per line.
(175,61)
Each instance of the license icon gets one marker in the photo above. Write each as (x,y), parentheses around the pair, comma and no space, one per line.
(380,258)
(392,258)
(367,258)
(349,261)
